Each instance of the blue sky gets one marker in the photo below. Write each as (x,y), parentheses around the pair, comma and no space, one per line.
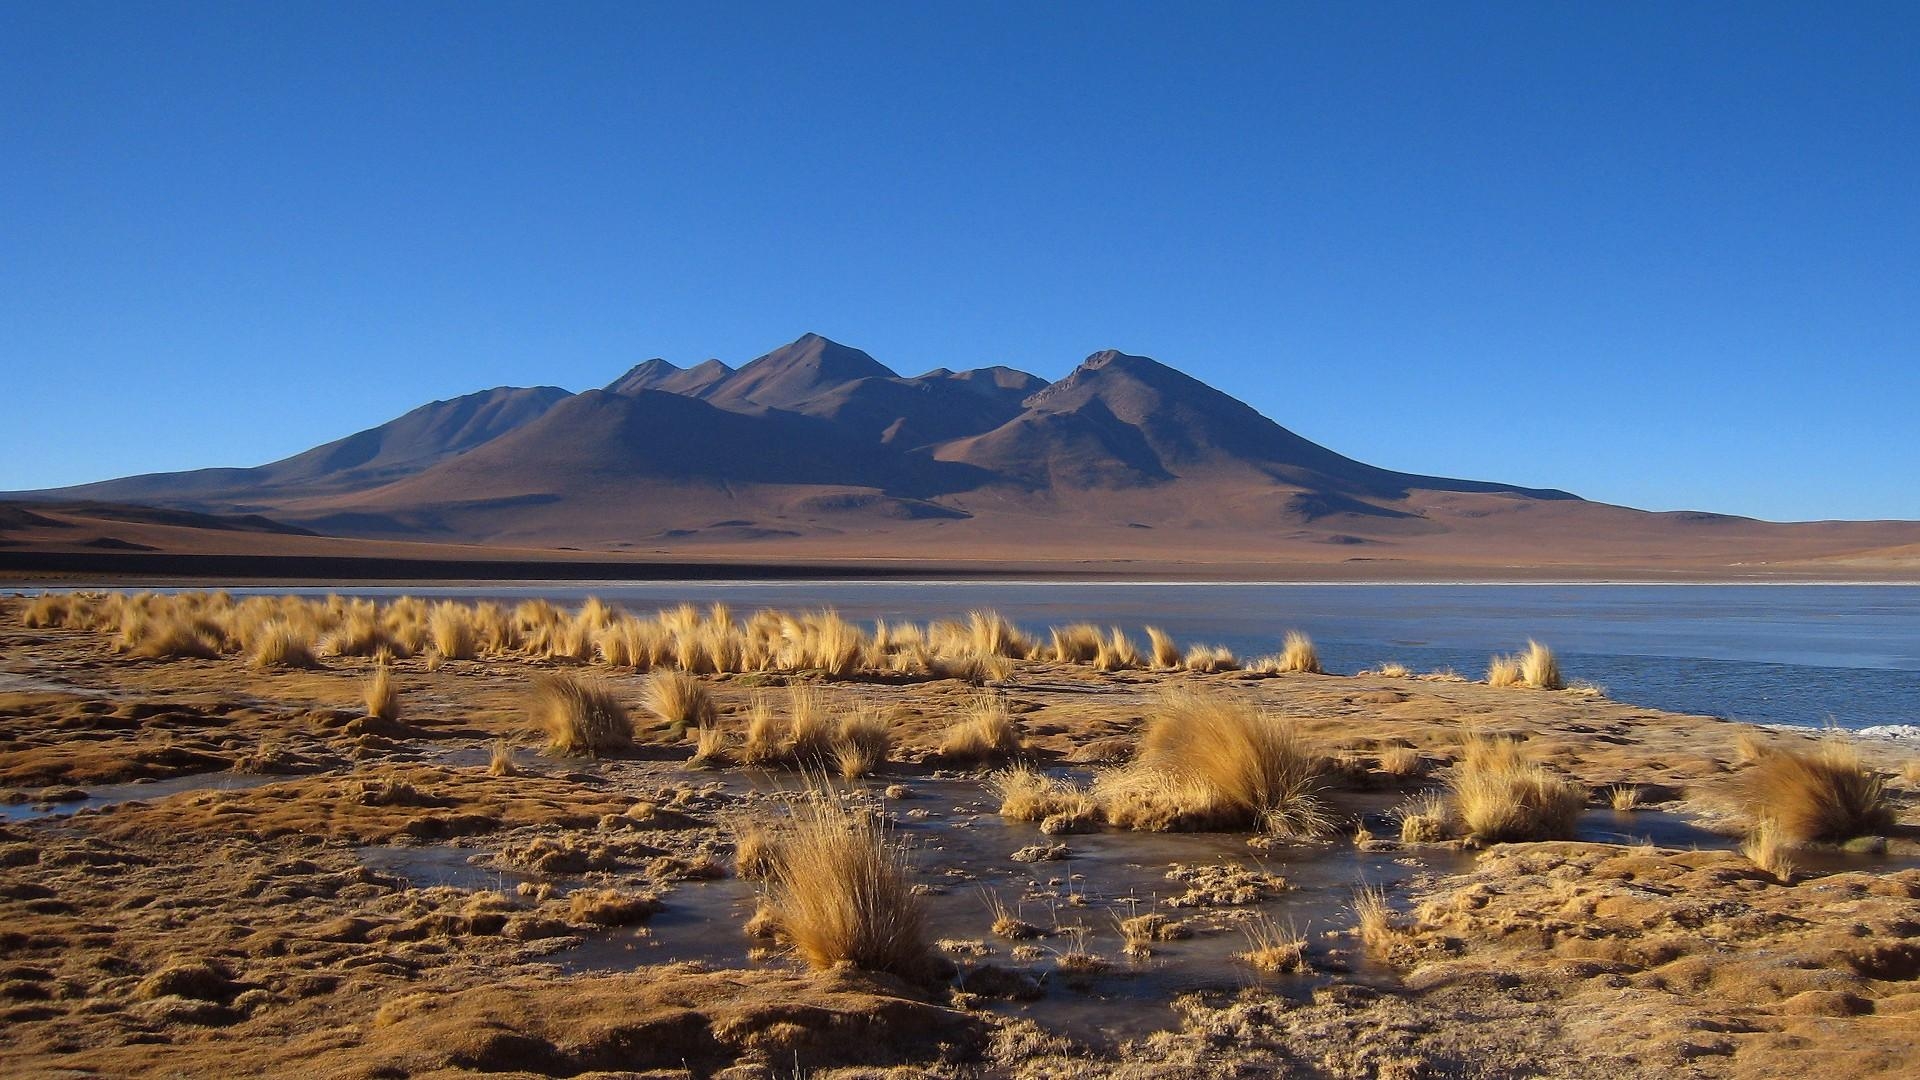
(1664,255)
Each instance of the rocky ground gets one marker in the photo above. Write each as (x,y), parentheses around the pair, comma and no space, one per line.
(239,925)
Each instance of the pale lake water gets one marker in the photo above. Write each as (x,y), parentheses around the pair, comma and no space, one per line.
(1786,654)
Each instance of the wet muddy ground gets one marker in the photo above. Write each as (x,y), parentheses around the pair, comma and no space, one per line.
(210,870)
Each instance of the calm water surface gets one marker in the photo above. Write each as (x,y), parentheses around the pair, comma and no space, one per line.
(1814,654)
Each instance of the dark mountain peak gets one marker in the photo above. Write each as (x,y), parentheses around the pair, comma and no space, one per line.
(794,372)
(644,376)
(1133,386)
(658,374)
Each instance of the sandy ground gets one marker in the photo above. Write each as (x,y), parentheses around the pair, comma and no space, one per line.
(235,926)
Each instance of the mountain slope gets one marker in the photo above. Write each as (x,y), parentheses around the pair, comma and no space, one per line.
(405,445)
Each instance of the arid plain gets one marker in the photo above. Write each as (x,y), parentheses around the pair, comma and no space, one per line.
(259,836)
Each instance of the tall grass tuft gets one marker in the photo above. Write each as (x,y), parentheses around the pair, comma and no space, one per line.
(679,700)
(1166,652)
(985,732)
(1823,793)
(383,697)
(1210,761)
(860,743)
(280,644)
(840,893)
(1766,847)
(1504,671)
(1540,669)
(451,627)
(809,728)
(1298,654)
(580,716)
(1501,794)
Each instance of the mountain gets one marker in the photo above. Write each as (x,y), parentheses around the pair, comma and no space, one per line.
(817,449)
(400,447)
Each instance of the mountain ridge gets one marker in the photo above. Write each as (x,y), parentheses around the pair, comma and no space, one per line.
(818,447)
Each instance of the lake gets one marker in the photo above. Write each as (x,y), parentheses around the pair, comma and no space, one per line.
(1794,654)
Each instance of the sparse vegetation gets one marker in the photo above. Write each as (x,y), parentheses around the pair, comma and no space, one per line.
(1766,847)
(1297,654)
(1166,653)
(580,716)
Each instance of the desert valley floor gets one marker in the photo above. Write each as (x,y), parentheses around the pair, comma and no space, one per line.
(211,866)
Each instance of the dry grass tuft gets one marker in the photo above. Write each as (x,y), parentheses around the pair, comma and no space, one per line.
(1209,761)
(1166,652)
(1824,793)
(1392,669)
(679,700)
(1500,794)
(755,849)
(1273,948)
(860,743)
(1623,797)
(1029,795)
(1402,762)
(1766,847)
(986,732)
(580,716)
(1423,819)
(280,644)
(1504,671)
(839,892)
(1299,655)
(382,696)
(1540,669)
(1211,659)
(809,728)
(762,747)
(1374,920)
(451,627)
(712,747)
(500,759)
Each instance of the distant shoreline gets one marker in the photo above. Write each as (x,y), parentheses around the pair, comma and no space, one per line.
(43,569)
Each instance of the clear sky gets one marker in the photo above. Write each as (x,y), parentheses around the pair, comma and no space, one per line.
(1665,255)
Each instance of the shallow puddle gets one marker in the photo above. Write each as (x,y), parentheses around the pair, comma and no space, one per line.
(103,795)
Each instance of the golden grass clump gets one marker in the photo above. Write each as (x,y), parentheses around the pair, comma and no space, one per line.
(985,732)
(839,892)
(1297,654)
(1402,762)
(712,747)
(280,644)
(1077,644)
(990,634)
(1540,669)
(1424,819)
(170,637)
(1029,795)
(679,700)
(809,728)
(1624,797)
(382,695)
(1373,919)
(762,747)
(755,848)
(1117,653)
(1503,671)
(1166,652)
(1273,948)
(451,628)
(1210,659)
(1211,761)
(580,716)
(1501,794)
(1822,793)
(1392,669)
(860,743)
(1766,847)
